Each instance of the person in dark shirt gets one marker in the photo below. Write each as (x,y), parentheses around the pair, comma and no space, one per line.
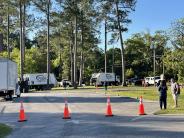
(162,88)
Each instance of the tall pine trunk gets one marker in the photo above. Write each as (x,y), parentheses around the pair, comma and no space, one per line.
(8,32)
(105,46)
(81,56)
(121,43)
(21,46)
(71,62)
(75,55)
(24,32)
(48,45)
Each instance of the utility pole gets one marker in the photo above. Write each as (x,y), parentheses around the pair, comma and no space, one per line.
(154,63)
(154,56)
(48,46)
(113,60)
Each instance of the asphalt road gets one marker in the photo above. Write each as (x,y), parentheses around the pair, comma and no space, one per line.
(44,112)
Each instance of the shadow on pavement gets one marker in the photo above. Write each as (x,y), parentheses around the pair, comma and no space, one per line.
(54,99)
(87,125)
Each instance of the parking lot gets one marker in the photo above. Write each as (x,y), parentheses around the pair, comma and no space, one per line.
(44,112)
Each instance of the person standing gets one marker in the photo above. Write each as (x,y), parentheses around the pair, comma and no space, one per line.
(162,88)
(174,91)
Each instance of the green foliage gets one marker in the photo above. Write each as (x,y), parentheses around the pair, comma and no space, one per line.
(139,55)
(173,59)
(136,52)
(5,130)
(130,73)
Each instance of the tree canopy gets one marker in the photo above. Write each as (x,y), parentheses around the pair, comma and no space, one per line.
(75,27)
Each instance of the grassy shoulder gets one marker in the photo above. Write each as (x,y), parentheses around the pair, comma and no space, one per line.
(151,93)
(148,93)
(4,130)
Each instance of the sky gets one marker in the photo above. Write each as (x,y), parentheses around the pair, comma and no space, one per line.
(153,15)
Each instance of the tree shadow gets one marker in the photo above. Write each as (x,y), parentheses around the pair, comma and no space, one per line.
(88,125)
(54,99)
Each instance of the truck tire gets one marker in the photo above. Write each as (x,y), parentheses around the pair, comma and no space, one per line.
(9,96)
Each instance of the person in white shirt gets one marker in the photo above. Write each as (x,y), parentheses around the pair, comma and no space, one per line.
(174,92)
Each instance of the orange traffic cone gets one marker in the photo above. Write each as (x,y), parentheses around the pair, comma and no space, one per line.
(141,107)
(109,110)
(22,116)
(66,111)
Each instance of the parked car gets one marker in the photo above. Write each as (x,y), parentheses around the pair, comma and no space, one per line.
(150,80)
(134,81)
(66,82)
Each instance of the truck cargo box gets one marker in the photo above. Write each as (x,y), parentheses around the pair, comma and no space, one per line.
(8,77)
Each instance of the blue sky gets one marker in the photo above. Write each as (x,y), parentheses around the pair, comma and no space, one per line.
(153,15)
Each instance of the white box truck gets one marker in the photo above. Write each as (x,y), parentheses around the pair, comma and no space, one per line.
(99,79)
(38,81)
(8,78)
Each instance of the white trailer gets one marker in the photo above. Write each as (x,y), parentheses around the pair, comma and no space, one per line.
(38,81)
(102,78)
(8,78)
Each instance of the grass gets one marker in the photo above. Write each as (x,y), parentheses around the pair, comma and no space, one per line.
(4,130)
(151,93)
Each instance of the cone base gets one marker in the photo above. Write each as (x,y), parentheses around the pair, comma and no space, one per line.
(66,117)
(109,115)
(22,120)
(143,114)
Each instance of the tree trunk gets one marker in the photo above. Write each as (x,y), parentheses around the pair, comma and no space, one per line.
(81,69)
(71,62)
(121,42)
(21,46)
(8,32)
(23,32)
(81,57)
(105,46)
(48,46)
(71,37)
(75,55)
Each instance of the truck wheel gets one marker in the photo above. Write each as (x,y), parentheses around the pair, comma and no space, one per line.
(10,97)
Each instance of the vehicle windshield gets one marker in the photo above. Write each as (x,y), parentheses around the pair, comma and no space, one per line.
(157,77)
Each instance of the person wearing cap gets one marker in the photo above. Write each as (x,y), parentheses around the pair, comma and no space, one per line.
(174,92)
(162,88)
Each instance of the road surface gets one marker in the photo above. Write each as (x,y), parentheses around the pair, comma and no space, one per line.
(44,112)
